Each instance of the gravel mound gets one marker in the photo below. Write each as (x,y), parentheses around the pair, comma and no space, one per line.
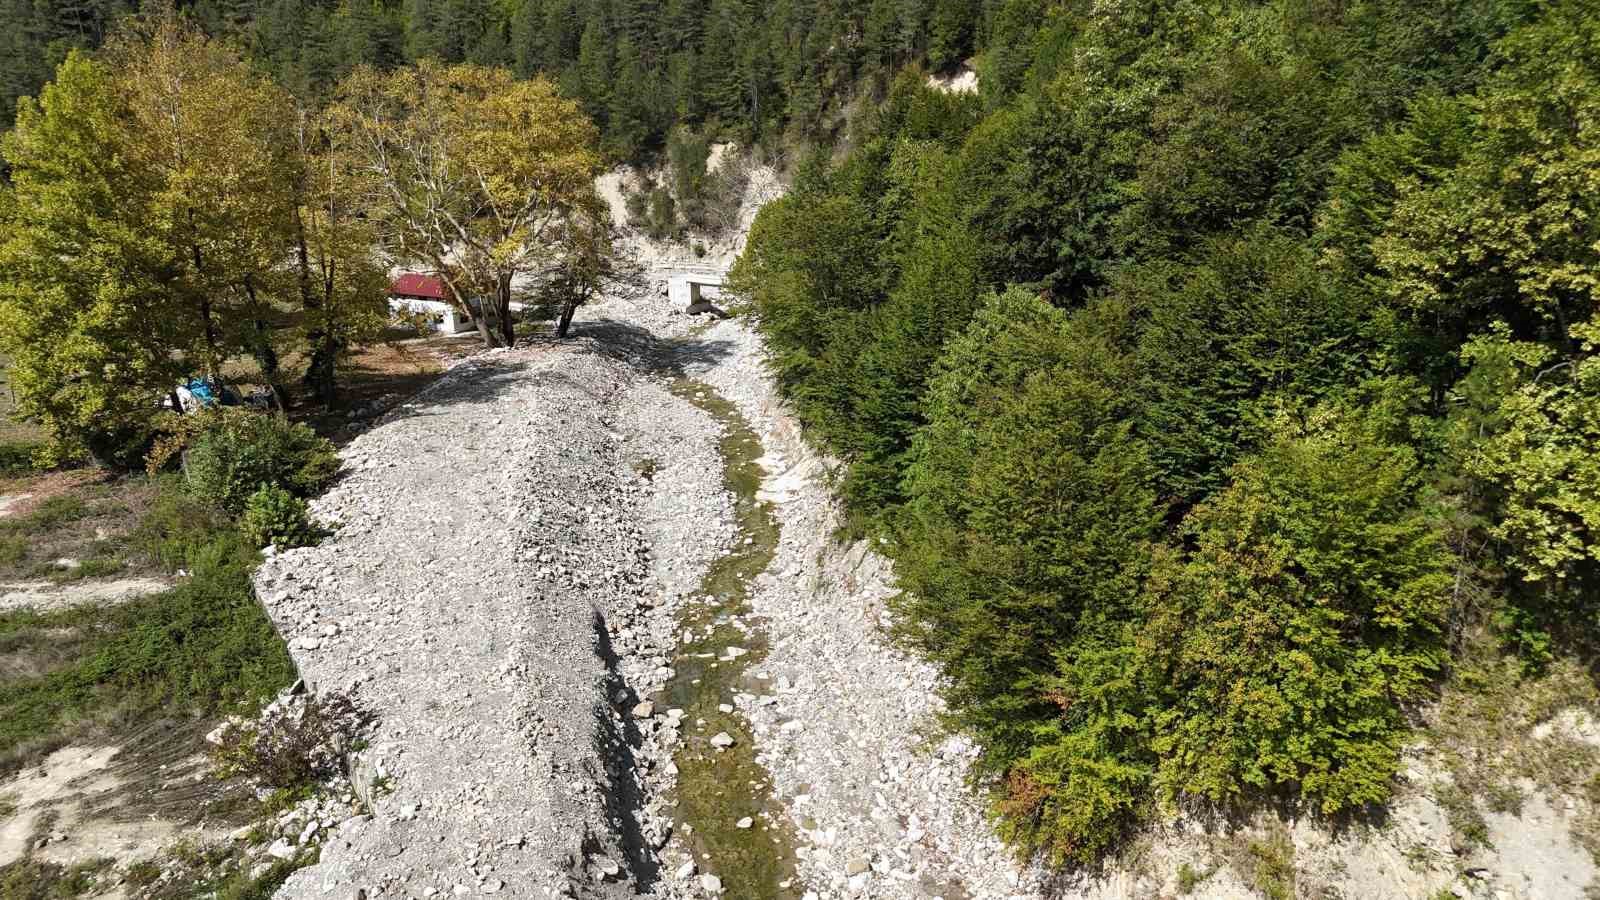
(486,532)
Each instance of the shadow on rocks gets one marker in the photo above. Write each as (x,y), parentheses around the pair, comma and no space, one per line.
(642,349)
(614,744)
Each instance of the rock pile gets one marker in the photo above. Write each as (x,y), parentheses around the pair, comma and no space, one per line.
(485,537)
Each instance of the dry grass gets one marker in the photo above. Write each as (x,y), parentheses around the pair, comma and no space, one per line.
(82,514)
(1494,727)
(371,380)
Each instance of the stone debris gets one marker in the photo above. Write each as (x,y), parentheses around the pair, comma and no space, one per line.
(840,704)
(514,551)
(486,534)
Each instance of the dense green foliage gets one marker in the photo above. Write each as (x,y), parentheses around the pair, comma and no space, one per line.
(1210,371)
(239,452)
(749,69)
(1209,374)
(166,205)
(273,517)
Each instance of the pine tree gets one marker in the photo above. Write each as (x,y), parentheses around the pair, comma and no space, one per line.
(594,71)
(633,118)
(722,64)
(950,32)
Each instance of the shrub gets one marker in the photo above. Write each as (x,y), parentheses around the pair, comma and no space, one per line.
(1025,541)
(637,204)
(235,452)
(296,740)
(273,516)
(1310,610)
(662,221)
(17,457)
(176,525)
(1269,866)
(1189,878)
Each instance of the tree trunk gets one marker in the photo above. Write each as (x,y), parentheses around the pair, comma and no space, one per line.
(319,375)
(502,302)
(266,356)
(564,322)
(490,338)
(213,343)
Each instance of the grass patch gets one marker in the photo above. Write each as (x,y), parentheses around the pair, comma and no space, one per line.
(1466,822)
(84,520)
(240,886)
(217,871)
(102,565)
(142,873)
(175,526)
(205,646)
(1266,863)
(50,514)
(31,879)
(13,549)
(1495,725)
(1190,878)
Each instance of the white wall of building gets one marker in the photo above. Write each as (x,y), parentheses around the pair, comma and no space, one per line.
(681,288)
(445,317)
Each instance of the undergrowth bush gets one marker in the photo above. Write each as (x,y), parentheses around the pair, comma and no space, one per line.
(295,741)
(229,453)
(19,457)
(176,525)
(273,516)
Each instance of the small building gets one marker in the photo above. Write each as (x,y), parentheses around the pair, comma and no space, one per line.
(414,295)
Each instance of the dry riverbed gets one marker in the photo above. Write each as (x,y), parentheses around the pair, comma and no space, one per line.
(569,580)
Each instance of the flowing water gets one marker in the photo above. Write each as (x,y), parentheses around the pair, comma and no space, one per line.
(718,788)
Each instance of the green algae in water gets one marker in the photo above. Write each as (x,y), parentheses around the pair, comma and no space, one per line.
(718,788)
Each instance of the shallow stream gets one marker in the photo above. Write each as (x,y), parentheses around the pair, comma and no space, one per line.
(718,788)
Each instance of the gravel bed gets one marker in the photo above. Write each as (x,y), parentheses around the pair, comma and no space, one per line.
(881,811)
(514,548)
(486,534)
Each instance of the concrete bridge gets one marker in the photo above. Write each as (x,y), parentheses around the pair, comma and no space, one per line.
(684,286)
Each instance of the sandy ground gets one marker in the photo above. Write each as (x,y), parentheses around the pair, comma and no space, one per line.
(48,596)
(62,803)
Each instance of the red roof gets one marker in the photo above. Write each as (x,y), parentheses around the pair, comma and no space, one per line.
(414,285)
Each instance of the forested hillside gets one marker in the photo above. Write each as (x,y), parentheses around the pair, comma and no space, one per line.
(748,68)
(1221,375)
(1222,378)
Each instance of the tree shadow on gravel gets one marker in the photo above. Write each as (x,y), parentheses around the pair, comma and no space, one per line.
(483,380)
(614,744)
(641,348)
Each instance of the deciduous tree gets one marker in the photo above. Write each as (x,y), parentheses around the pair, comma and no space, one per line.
(472,173)
(152,199)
